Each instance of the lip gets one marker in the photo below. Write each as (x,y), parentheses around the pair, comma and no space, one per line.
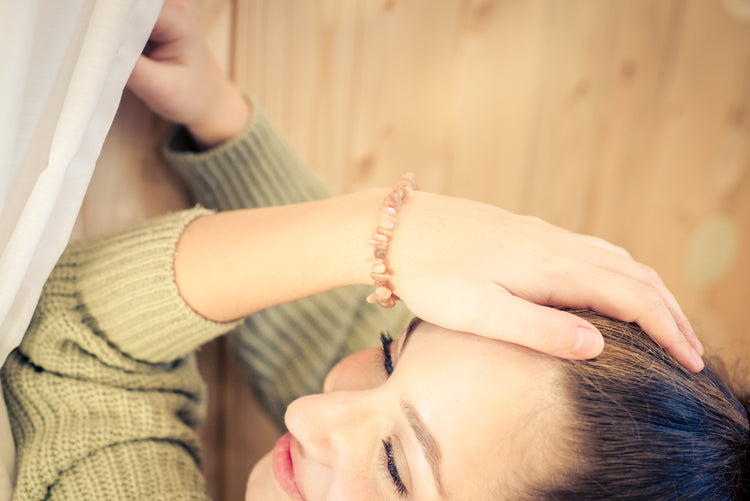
(283,467)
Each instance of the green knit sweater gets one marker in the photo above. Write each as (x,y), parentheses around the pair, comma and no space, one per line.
(103,392)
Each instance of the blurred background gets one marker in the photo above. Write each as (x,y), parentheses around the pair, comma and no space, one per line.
(625,119)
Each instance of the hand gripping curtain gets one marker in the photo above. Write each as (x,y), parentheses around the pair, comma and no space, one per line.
(65,64)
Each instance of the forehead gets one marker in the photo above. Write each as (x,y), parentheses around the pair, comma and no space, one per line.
(483,401)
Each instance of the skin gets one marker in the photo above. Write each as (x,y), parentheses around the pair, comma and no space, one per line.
(483,401)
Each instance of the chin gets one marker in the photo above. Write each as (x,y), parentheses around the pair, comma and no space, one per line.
(261,485)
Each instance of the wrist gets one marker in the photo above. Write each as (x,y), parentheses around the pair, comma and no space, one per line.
(382,272)
(365,220)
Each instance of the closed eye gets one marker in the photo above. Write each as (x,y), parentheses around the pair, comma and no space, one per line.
(390,466)
(386,340)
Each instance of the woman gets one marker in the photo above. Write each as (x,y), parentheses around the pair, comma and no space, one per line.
(630,424)
(103,392)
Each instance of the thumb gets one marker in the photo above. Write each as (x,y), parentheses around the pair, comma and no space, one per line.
(558,333)
(160,86)
(144,73)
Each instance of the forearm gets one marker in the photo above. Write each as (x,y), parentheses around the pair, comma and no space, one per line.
(231,264)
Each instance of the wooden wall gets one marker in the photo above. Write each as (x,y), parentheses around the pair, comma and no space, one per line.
(626,119)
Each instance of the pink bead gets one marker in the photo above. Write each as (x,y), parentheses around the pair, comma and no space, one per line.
(387,217)
(379,244)
(388,225)
(397,198)
(383,231)
(378,268)
(383,293)
(381,277)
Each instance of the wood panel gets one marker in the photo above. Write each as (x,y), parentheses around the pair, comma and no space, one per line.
(628,119)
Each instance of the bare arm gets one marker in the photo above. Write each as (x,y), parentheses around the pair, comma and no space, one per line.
(460,264)
(234,263)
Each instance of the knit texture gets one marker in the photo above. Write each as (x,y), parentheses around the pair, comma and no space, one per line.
(285,351)
(103,393)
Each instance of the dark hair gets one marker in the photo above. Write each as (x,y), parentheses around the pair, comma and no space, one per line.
(644,428)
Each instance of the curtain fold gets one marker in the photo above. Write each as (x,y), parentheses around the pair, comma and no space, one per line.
(65,66)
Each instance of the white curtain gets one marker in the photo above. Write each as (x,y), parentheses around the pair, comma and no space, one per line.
(65,64)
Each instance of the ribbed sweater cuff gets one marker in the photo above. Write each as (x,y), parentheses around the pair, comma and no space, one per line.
(273,173)
(125,287)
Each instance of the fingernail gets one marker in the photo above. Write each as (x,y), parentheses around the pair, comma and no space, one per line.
(698,361)
(589,343)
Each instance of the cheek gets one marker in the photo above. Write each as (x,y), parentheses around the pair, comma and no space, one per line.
(361,371)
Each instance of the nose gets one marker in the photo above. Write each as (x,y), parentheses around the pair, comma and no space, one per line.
(329,424)
(360,371)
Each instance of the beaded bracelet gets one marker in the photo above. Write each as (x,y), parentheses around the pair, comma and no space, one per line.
(381,274)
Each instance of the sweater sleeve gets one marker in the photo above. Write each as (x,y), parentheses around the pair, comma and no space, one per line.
(258,168)
(103,393)
(287,350)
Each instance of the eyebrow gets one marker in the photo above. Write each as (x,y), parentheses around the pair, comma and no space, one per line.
(430,447)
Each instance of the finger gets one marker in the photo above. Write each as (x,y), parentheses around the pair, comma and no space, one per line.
(143,78)
(682,321)
(159,86)
(140,71)
(175,15)
(623,298)
(499,315)
(605,245)
(626,266)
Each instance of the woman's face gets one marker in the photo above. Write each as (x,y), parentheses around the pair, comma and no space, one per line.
(457,419)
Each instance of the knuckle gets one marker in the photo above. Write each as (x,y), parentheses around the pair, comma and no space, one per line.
(650,276)
(623,251)
(601,242)
(651,298)
(649,272)
(533,220)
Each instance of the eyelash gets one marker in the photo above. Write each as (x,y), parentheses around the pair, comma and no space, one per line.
(386,340)
(389,463)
